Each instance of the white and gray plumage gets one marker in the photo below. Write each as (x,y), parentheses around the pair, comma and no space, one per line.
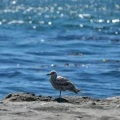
(61,83)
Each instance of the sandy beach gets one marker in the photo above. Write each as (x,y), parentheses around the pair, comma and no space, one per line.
(26,106)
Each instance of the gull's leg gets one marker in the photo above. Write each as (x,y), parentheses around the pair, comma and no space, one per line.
(60,94)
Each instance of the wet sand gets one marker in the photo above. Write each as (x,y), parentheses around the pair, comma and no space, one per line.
(26,106)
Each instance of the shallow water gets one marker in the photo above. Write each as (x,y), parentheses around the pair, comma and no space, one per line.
(79,39)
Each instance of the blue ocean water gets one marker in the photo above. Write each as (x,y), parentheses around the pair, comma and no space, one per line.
(80,39)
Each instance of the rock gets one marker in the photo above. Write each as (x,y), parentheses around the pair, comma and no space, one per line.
(18,97)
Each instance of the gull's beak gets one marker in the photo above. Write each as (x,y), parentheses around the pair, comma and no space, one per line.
(49,74)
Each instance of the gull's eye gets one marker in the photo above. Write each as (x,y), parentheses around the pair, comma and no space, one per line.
(53,73)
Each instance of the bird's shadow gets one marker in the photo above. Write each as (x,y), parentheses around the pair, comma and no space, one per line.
(61,100)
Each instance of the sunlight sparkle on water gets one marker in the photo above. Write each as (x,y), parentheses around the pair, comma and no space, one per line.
(13,2)
(49,23)
(115,20)
(0,23)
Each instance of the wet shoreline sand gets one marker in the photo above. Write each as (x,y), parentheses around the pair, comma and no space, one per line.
(26,106)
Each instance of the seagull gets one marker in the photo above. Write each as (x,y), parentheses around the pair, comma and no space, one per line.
(61,83)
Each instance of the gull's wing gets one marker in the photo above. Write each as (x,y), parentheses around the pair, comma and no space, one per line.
(64,84)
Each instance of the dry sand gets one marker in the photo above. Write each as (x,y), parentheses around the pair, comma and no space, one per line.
(26,106)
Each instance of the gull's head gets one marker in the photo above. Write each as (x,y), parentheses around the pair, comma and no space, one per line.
(52,73)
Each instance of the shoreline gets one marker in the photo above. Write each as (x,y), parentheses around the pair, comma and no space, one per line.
(23,106)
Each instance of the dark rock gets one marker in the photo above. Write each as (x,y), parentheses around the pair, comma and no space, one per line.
(21,97)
